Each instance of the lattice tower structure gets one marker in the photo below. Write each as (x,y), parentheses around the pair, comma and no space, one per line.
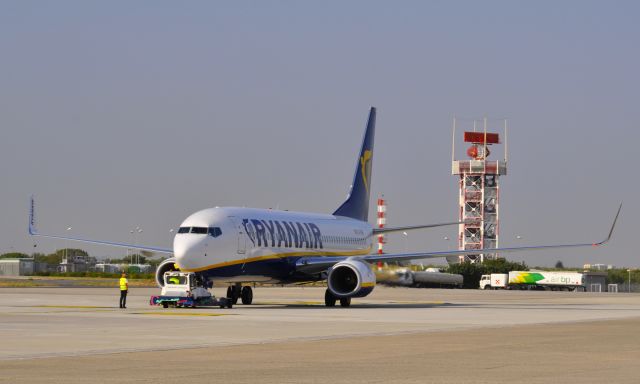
(479,195)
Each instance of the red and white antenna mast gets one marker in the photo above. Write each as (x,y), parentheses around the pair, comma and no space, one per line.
(382,221)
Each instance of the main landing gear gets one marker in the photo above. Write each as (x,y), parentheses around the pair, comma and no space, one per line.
(235,292)
(330,300)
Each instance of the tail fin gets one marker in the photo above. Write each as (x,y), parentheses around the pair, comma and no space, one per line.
(357,204)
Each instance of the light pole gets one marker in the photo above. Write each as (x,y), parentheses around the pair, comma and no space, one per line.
(629,270)
(446,238)
(138,253)
(67,247)
(406,235)
(130,250)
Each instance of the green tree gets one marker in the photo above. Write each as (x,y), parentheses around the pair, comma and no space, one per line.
(56,257)
(502,265)
(621,276)
(559,265)
(128,259)
(70,252)
(471,273)
(52,258)
(14,255)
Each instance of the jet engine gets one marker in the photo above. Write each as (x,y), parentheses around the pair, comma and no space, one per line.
(351,278)
(166,266)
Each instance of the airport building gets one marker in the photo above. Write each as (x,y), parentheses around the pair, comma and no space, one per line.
(595,282)
(77,263)
(598,267)
(17,267)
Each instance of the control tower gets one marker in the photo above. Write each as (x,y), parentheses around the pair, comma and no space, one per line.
(479,189)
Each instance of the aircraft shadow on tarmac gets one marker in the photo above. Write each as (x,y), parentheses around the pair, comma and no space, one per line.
(353,306)
(430,305)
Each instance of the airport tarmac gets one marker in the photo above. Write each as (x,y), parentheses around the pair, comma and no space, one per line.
(71,335)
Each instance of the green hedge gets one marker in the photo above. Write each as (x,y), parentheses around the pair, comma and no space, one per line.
(472,272)
(105,275)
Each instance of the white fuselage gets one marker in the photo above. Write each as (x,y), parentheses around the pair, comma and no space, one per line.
(245,244)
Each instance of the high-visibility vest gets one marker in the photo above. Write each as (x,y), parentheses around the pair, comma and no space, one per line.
(123,284)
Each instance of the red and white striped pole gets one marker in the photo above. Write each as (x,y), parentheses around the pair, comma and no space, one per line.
(382,221)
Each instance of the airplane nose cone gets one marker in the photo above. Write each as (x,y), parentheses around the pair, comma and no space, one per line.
(187,249)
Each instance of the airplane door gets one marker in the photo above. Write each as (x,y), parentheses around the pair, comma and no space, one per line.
(242,237)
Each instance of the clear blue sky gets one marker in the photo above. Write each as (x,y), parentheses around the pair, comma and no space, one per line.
(122,114)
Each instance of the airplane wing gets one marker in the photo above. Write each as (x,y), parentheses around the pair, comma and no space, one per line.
(428,255)
(377,231)
(34,232)
(315,264)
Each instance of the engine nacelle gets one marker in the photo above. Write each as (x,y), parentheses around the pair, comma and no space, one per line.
(166,266)
(351,278)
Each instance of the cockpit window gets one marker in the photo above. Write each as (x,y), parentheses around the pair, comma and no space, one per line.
(213,231)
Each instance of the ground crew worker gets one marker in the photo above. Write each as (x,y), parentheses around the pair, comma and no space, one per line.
(174,280)
(124,288)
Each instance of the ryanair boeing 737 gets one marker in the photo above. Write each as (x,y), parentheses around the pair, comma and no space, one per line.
(236,246)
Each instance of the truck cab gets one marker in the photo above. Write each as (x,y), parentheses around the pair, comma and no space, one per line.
(485,282)
(494,281)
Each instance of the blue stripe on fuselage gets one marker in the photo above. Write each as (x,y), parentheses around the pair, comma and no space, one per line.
(281,269)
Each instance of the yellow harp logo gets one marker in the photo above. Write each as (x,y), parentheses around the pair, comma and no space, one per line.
(365,167)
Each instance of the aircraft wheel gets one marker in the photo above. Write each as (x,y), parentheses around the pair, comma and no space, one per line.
(329,299)
(165,305)
(236,293)
(345,302)
(246,295)
(232,293)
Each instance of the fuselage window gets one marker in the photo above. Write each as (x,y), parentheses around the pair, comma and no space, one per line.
(184,229)
(215,231)
(200,230)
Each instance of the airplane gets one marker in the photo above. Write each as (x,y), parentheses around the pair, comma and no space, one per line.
(238,246)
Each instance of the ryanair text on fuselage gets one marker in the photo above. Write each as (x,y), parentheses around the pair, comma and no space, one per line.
(287,234)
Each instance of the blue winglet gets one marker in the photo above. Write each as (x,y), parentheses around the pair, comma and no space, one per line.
(32,217)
